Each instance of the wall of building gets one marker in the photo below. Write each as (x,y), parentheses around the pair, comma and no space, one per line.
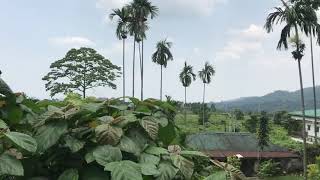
(310,127)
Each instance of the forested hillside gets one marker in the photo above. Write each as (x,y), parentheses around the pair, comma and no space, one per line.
(276,101)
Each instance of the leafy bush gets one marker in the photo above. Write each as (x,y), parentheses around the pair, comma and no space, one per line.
(91,139)
(269,169)
(314,170)
(234,161)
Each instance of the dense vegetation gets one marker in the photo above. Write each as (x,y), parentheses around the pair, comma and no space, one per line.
(91,139)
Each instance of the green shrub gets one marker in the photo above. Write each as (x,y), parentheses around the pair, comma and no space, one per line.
(314,170)
(91,139)
(269,169)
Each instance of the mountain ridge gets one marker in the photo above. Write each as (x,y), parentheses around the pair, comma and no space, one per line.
(279,100)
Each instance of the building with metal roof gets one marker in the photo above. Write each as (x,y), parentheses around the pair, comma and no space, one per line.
(222,145)
(310,125)
(219,146)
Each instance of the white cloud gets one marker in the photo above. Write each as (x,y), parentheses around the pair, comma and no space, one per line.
(244,42)
(73,41)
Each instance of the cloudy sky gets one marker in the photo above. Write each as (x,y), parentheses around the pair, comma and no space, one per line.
(227,33)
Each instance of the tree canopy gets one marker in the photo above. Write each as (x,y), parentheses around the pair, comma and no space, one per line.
(80,70)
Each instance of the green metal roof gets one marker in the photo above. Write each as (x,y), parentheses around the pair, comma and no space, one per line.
(308,113)
(227,142)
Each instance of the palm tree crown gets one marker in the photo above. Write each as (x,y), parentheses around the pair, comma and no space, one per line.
(123,15)
(140,10)
(296,15)
(163,53)
(206,73)
(187,75)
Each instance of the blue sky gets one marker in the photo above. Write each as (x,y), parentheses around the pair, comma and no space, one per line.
(227,33)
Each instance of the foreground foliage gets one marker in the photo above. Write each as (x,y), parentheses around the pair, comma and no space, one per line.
(91,139)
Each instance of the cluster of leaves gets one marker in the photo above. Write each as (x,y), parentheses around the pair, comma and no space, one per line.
(251,123)
(16,143)
(91,139)
(269,169)
(314,170)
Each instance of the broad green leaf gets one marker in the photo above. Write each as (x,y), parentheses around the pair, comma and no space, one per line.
(150,127)
(49,134)
(135,101)
(125,170)
(107,134)
(9,165)
(123,121)
(106,154)
(183,164)
(3,125)
(92,107)
(119,107)
(139,137)
(130,146)
(106,119)
(4,88)
(149,159)
(163,121)
(23,141)
(156,150)
(89,157)
(193,153)
(73,144)
(149,169)
(211,177)
(70,174)
(111,166)
(15,114)
(72,112)
(54,109)
(167,134)
(167,171)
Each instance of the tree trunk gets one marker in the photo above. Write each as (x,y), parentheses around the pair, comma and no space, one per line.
(161,85)
(185,104)
(314,93)
(303,112)
(123,70)
(204,93)
(142,69)
(140,64)
(133,64)
(84,93)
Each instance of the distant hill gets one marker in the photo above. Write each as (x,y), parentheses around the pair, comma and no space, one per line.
(276,101)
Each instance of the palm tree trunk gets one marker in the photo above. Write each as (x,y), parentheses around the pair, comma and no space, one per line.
(303,111)
(140,63)
(123,70)
(185,104)
(142,69)
(314,94)
(161,85)
(133,64)
(204,93)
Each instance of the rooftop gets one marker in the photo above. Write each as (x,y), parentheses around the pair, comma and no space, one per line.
(230,144)
(308,113)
